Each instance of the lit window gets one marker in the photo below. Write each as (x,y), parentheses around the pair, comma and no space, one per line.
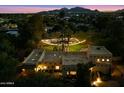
(67,73)
(57,67)
(45,67)
(98,60)
(73,73)
(91,69)
(40,67)
(103,59)
(108,60)
(23,70)
(36,69)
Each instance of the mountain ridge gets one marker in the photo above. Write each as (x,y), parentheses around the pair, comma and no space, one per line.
(71,10)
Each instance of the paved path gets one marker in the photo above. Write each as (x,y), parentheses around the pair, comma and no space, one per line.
(48,41)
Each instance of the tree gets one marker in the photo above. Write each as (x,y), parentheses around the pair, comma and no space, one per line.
(62,14)
(39,80)
(83,76)
(101,21)
(7,67)
(8,58)
(111,36)
(31,32)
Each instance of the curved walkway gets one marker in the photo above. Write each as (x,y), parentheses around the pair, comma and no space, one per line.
(75,41)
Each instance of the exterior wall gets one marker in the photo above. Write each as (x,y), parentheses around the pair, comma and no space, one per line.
(105,68)
(66,69)
(103,63)
(70,61)
(101,60)
(94,58)
(50,66)
(98,52)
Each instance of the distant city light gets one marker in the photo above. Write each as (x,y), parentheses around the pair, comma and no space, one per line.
(54,54)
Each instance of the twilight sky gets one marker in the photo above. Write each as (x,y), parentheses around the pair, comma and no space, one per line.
(38,8)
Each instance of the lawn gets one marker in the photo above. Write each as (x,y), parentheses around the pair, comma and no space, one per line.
(48,47)
(72,48)
(76,48)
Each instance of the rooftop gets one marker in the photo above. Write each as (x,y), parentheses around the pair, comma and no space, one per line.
(33,58)
(52,56)
(98,50)
(74,58)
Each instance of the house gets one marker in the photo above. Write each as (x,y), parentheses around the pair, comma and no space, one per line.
(70,61)
(66,62)
(32,60)
(101,57)
(99,54)
(51,62)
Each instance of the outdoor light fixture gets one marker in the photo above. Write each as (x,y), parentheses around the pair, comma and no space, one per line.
(57,67)
(103,59)
(73,73)
(36,69)
(98,60)
(91,69)
(23,70)
(41,67)
(108,60)
(67,73)
(44,67)
(98,81)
